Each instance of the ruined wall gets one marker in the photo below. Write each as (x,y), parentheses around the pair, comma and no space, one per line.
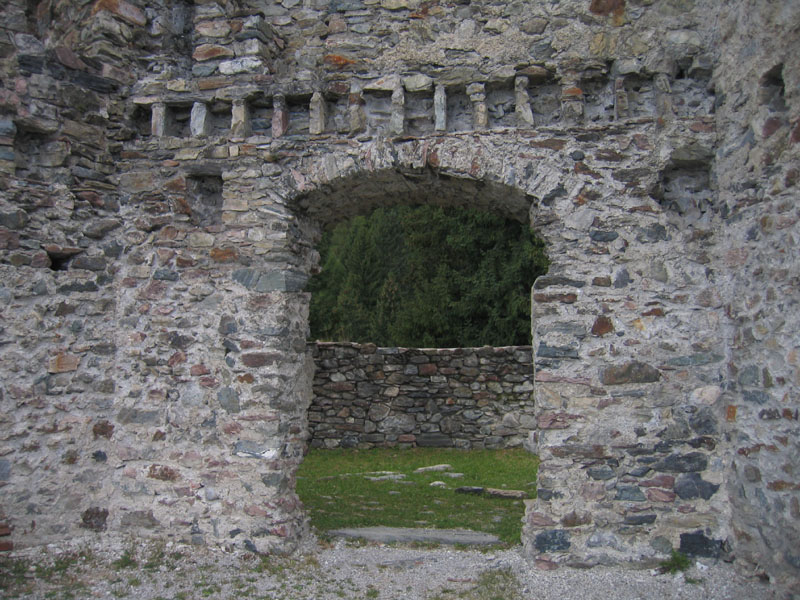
(166,169)
(757,167)
(366,396)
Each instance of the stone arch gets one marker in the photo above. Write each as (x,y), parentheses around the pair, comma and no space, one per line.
(625,398)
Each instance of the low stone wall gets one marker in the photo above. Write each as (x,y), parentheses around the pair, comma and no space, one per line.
(365,396)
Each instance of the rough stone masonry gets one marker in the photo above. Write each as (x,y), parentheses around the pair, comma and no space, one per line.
(366,397)
(166,168)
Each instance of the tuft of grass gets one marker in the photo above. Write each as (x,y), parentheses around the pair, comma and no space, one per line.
(495,584)
(676,563)
(333,486)
(126,561)
(13,572)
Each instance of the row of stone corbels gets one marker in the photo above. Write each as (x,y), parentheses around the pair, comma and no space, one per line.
(200,121)
(240,115)
(572,106)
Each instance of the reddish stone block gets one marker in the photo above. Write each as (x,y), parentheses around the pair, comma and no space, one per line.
(602,326)
(795,137)
(782,486)
(198,370)
(211,51)
(155,290)
(537,519)
(545,565)
(177,358)
(556,420)
(6,546)
(232,428)
(120,8)
(702,127)
(550,144)
(223,254)
(662,481)
(575,519)
(176,184)
(427,369)
(582,169)
(771,125)
(337,60)
(659,495)
(609,155)
(63,363)
(569,298)
(607,7)
(255,511)
(209,382)
(163,473)
(103,429)
(260,359)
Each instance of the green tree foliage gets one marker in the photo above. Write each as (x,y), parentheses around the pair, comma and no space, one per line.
(426,276)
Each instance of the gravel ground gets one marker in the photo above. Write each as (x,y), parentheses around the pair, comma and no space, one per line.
(347,570)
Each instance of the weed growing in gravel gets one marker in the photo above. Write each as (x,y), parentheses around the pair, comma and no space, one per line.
(12,572)
(20,577)
(675,563)
(126,561)
(495,584)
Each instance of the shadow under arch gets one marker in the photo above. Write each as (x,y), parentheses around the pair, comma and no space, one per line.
(356,194)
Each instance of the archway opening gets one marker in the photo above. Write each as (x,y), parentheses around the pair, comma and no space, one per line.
(450,369)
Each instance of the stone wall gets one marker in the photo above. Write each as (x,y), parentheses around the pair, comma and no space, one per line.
(366,396)
(757,170)
(166,169)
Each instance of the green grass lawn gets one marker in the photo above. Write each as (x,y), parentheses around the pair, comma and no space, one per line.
(334,487)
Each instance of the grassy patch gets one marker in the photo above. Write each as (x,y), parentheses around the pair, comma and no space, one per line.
(19,577)
(126,561)
(334,487)
(675,563)
(13,573)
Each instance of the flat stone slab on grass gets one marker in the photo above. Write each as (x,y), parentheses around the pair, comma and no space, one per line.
(442,467)
(406,535)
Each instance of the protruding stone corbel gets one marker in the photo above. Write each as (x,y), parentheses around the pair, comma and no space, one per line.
(199,122)
(440,108)
(522,102)
(355,110)
(480,114)
(158,119)
(240,119)
(664,111)
(572,104)
(398,116)
(280,116)
(621,107)
(316,114)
